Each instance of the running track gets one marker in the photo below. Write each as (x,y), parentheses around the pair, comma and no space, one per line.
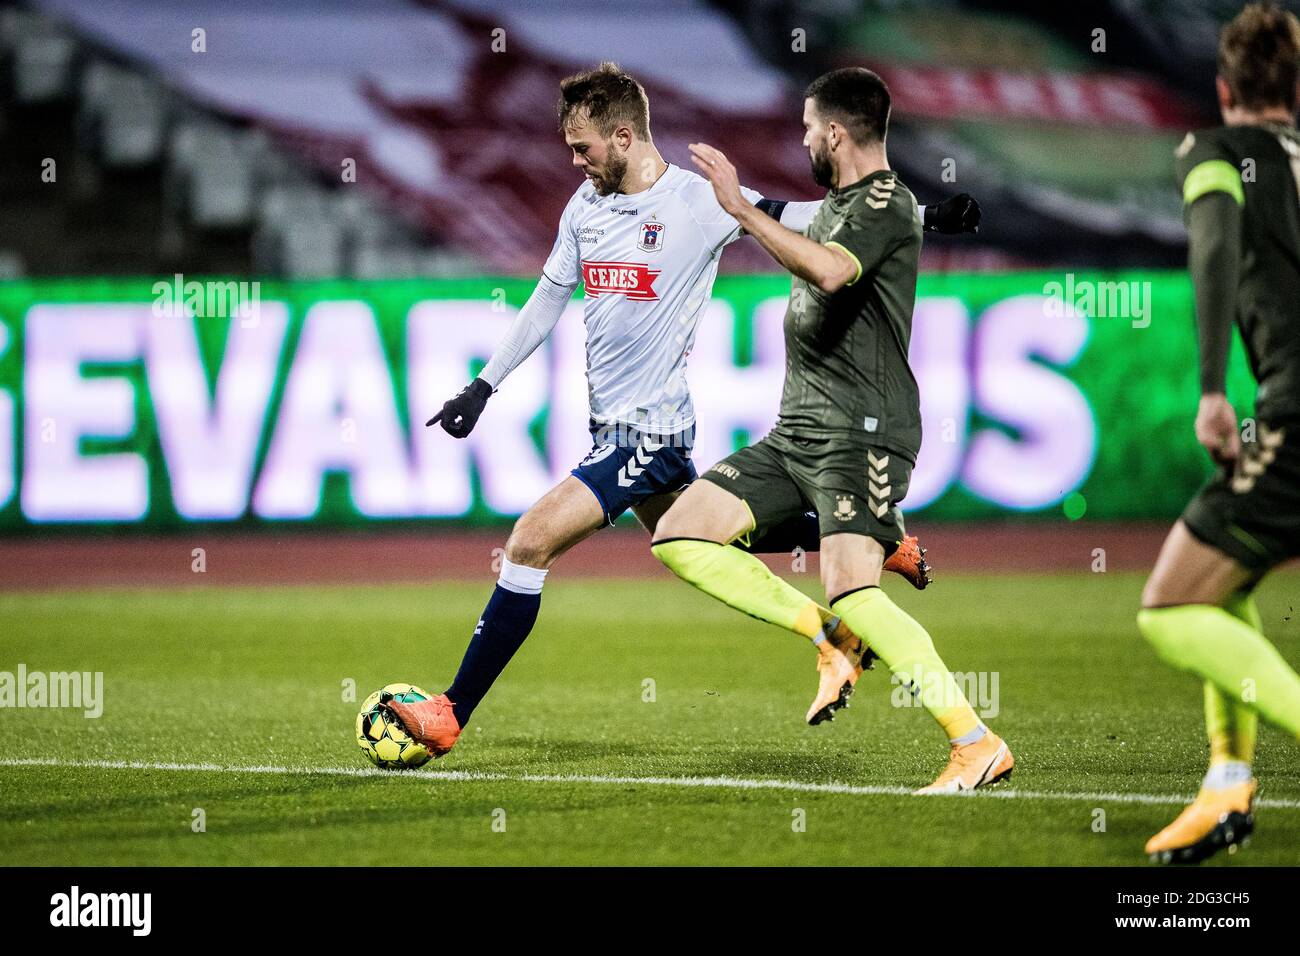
(299,557)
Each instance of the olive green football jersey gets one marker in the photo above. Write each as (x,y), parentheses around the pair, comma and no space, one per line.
(1258,167)
(846,373)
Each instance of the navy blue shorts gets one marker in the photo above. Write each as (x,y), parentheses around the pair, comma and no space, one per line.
(625,467)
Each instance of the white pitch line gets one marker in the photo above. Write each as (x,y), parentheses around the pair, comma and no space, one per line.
(721,783)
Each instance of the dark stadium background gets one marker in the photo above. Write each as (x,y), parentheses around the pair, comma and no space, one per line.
(405,153)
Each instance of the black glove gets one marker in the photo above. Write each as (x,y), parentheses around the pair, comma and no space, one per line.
(959,213)
(460,414)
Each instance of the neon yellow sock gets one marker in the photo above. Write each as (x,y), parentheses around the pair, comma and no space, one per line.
(744,582)
(1213,644)
(1242,606)
(909,653)
(1232,726)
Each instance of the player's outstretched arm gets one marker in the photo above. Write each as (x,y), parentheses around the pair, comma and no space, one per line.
(826,268)
(460,413)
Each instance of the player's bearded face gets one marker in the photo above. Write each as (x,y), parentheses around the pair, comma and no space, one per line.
(608,177)
(823,173)
(600,159)
(817,138)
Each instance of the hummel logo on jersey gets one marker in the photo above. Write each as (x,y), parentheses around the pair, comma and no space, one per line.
(632,279)
(880,192)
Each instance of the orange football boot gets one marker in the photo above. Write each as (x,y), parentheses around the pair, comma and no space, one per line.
(1215,820)
(430,722)
(908,561)
(980,764)
(841,658)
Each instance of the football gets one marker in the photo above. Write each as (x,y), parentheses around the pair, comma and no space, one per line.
(380,736)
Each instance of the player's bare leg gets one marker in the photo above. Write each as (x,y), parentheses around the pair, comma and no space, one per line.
(908,560)
(1198,614)
(705,512)
(1190,572)
(653,508)
(704,521)
(563,517)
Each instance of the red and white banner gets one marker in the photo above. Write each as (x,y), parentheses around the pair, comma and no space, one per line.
(1077,98)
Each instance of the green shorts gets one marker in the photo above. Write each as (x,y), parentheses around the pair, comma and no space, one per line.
(1251,511)
(854,487)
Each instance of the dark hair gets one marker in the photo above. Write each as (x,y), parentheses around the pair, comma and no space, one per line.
(607,98)
(1259,56)
(855,98)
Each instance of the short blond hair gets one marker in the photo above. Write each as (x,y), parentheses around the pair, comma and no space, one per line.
(1259,56)
(607,97)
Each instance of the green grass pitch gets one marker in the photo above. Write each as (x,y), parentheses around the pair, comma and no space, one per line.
(247,678)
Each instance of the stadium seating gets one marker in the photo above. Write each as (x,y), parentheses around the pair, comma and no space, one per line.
(191,183)
(458,157)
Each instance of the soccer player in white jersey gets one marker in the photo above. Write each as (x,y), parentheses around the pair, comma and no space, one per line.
(644,237)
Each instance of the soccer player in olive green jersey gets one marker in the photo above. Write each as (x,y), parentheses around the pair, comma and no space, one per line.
(848,432)
(1244,256)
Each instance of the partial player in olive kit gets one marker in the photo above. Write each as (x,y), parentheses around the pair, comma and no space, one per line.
(1244,257)
(644,237)
(848,433)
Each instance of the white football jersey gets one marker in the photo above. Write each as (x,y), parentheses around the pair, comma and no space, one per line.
(648,262)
